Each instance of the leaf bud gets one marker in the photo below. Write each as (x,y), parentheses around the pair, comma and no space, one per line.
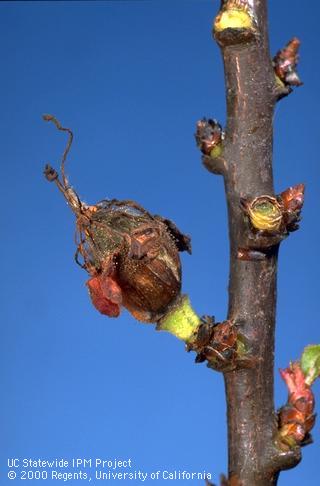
(209,137)
(285,63)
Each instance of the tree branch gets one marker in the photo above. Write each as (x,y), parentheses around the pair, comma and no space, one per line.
(254,457)
(132,256)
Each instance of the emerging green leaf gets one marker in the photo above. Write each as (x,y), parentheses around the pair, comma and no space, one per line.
(310,362)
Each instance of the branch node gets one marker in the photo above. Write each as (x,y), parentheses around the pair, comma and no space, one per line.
(235,23)
(281,460)
(271,219)
(220,344)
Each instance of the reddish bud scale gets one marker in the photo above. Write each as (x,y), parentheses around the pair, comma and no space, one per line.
(292,199)
(285,63)
(218,343)
(296,418)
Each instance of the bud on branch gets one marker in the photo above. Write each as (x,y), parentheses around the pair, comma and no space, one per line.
(271,219)
(285,63)
(296,418)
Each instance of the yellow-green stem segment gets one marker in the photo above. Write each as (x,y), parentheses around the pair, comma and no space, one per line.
(233,18)
(181,320)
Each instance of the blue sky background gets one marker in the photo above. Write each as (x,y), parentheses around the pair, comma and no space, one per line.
(131,78)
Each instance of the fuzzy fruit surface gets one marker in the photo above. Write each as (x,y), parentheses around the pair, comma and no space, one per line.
(133,259)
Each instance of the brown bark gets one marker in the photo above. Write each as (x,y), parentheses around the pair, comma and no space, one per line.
(254,457)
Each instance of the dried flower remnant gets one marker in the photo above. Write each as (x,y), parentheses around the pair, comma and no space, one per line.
(285,63)
(132,257)
(209,137)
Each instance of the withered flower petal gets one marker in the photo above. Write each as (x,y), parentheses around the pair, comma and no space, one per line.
(105,295)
